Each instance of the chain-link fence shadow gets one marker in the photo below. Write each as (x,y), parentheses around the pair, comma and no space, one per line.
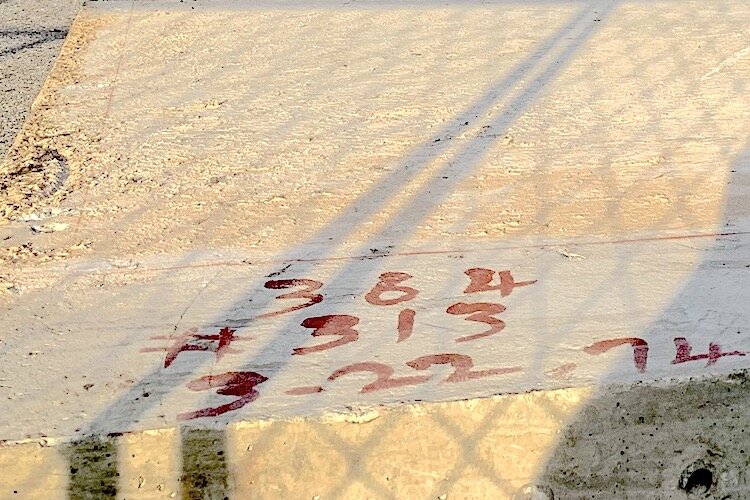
(650,160)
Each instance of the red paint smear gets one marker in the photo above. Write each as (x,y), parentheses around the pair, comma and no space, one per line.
(243,262)
(481,281)
(640,349)
(332,324)
(405,324)
(300,391)
(714,352)
(562,371)
(389,282)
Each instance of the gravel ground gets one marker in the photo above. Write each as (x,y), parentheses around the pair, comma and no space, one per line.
(31,34)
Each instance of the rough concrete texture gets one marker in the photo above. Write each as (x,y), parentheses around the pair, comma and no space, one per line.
(670,441)
(632,442)
(485,448)
(31,34)
(268,223)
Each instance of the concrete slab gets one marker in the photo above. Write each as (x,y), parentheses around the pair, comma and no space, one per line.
(224,213)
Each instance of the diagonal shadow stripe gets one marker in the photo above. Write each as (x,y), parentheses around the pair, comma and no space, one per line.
(435,190)
(130,406)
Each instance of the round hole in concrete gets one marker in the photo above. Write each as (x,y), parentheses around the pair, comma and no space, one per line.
(699,481)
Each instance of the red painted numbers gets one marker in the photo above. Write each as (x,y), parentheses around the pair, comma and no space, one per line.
(684,350)
(240,384)
(461,363)
(391,289)
(309,286)
(462,367)
(482,312)
(640,349)
(193,341)
(384,373)
(389,283)
(333,324)
(405,324)
(481,281)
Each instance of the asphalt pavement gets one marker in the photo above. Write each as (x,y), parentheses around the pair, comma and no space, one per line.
(31,35)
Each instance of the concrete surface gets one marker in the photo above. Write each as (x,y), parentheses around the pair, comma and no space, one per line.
(676,440)
(31,34)
(276,219)
(630,442)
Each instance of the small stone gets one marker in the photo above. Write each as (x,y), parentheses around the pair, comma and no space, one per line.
(50,227)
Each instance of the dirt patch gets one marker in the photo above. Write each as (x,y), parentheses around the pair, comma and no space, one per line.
(38,167)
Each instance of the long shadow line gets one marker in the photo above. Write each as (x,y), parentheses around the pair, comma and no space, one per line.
(130,406)
(433,192)
(158,199)
(437,189)
(185,260)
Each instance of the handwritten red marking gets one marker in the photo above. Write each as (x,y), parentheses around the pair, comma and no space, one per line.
(481,281)
(405,324)
(188,342)
(562,371)
(640,349)
(714,352)
(307,293)
(332,324)
(480,312)
(388,283)
(385,379)
(462,365)
(241,384)
(300,391)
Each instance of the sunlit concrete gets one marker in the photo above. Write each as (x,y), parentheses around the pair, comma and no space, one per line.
(183,160)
